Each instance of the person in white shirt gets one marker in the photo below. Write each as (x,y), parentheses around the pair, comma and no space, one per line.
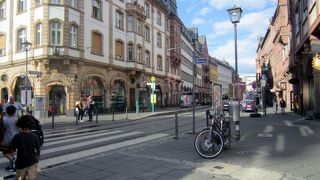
(12,102)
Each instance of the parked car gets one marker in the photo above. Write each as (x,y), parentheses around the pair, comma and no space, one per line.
(249,106)
(243,103)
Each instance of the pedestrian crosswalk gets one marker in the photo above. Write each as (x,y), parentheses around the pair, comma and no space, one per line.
(66,146)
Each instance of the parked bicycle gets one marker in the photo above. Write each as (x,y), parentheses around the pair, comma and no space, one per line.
(210,142)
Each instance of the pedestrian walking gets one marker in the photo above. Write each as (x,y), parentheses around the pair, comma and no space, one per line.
(10,130)
(275,105)
(14,103)
(257,104)
(27,145)
(90,106)
(80,110)
(282,105)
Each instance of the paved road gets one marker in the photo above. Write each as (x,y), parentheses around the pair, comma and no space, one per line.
(272,147)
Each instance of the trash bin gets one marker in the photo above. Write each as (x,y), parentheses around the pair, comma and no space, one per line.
(234,110)
(235,113)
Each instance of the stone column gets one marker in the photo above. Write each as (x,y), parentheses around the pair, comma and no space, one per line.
(315,47)
(108,96)
(316,80)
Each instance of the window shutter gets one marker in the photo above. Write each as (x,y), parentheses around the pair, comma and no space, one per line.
(96,43)
(119,49)
(2,41)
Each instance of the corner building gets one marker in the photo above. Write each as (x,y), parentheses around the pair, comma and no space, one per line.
(106,49)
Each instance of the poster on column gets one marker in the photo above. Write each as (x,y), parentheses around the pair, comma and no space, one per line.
(40,103)
(217,96)
(23,97)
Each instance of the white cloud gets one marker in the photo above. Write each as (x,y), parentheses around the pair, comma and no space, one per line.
(255,24)
(246,53)
(204,11)
(197,21)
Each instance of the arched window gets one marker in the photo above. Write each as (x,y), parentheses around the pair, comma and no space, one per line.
(119,49)
(147,33)
(22,37)
(55,33)
(38,34)
(119,19)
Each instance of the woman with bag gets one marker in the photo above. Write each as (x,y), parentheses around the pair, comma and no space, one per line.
(80,110)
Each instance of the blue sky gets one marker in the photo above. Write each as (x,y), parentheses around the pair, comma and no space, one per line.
(212,19)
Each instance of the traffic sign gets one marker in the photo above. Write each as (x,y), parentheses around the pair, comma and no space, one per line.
(201,61)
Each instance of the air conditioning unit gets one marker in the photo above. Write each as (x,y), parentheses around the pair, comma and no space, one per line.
(2,52)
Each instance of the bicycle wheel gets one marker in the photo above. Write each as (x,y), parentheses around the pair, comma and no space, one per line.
(227,135)
(208,149)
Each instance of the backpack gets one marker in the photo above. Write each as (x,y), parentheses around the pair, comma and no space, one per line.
(36,129)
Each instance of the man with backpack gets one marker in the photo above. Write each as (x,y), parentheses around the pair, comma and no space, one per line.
(282,106)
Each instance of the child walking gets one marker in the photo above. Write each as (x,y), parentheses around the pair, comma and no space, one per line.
(28,146)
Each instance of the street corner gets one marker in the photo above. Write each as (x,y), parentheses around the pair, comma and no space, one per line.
(222,170)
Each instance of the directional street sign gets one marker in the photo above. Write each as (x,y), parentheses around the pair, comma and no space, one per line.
(201,61)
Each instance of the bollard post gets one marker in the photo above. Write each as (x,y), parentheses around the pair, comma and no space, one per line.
(112,114)
(52,126)
(176,126)
(96,115)
(126,113)
(207,117)
(77,120)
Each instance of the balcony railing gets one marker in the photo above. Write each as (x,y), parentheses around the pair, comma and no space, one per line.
(135,8)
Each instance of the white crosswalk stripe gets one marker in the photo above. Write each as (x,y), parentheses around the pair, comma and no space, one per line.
(76,144)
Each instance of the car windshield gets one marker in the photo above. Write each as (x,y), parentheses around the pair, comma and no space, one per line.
(249,102)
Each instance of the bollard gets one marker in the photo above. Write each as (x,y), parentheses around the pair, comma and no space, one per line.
(96,115)
(112,114)
(207,117)
(77,120)
(126,113)
(52,126)
(176,126)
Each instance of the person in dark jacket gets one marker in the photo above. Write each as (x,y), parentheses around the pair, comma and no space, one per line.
(28,146)
(283,106)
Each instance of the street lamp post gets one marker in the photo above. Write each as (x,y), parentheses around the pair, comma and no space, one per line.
(194,75)
(235,15)
(27,45)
